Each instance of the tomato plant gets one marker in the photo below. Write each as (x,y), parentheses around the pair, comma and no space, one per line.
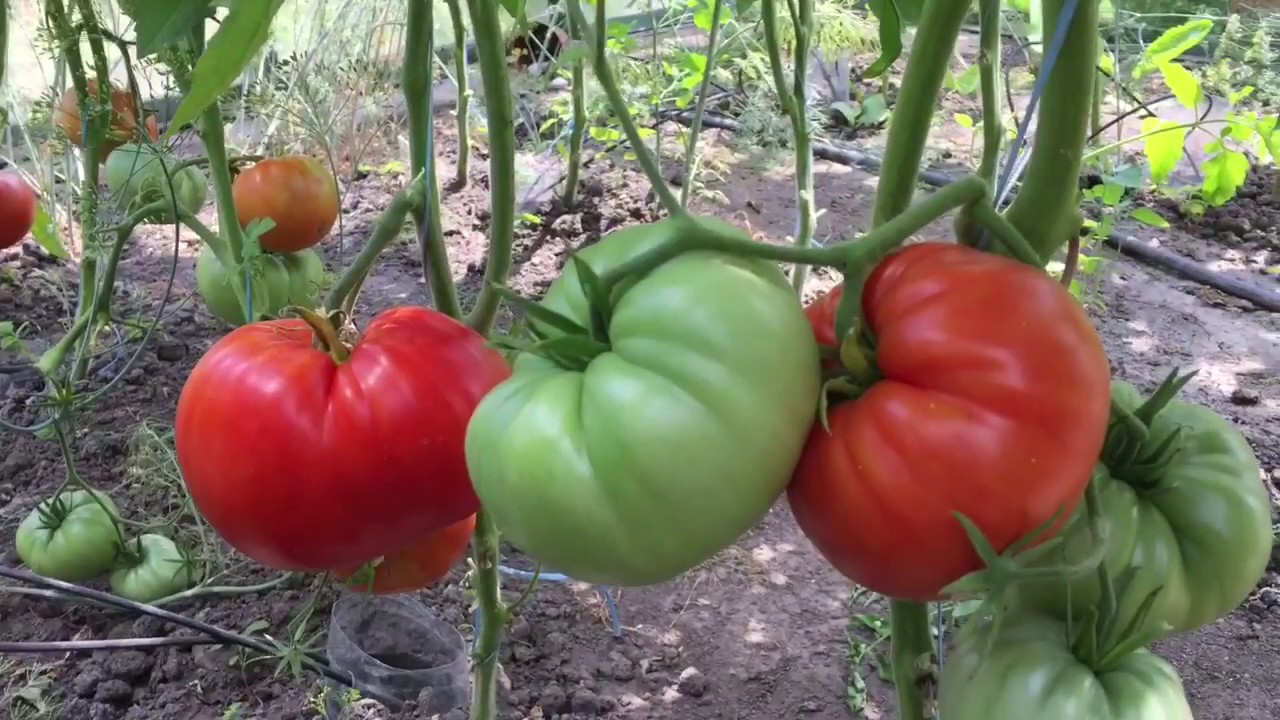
(70,537)
(153,567)
(310,460)
(124,118)
(670,445)
(280,280)
(1194,523)
(139,175)
(17,208)
(991,408)
(415,567)
(1029,669)
(295,191)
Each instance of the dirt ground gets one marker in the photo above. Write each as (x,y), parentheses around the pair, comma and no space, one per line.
(763,630)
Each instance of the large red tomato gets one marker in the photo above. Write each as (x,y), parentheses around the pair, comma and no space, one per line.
(297,192)
(994,403)
(415,567)
(17,208)
(305,463)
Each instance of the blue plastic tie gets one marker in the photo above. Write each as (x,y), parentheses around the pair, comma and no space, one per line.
(615,617)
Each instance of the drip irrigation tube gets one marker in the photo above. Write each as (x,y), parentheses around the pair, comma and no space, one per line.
(1127,245)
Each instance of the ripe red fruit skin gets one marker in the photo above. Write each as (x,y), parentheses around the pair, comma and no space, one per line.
(17,208)
(302,463)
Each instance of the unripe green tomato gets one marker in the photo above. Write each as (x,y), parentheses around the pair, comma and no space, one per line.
(285,279)
(158,569)
(71,537)
(139,175)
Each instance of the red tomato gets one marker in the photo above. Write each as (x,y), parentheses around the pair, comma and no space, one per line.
(303,463)
(124,117)
(295,191)
(994,403)
(415,567)
(17,208)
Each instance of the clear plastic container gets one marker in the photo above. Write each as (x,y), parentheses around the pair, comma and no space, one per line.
(395,645)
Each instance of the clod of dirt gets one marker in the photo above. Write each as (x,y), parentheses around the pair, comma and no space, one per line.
(131,665)
(553,700)
(114,691)
(692,683)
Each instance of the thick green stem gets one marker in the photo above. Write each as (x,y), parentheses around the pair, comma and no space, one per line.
(578,132)
(926,69)
(488,589)
(989,76)
(215,148)
(805,207)
(595,37)
(699,110)
(773,46)
(418,90)
(410,200)
(463,109)
(502,160)
(912,652)
(1046,209)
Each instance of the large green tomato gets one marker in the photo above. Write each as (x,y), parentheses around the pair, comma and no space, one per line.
(156,568)
(1200,530)
(71,537)
(1031,672)
(285,279)
(670,445)
(139,175)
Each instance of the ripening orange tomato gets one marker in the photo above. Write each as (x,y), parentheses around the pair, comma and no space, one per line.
(295,191)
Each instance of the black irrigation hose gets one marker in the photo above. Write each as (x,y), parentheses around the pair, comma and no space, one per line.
(1125,244)
(226,637)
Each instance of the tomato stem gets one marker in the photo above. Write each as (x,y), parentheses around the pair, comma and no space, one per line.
(215,148)
(700,109)
(927,66)
(577,133)
(1107,595)
(595,36)
(326,334)
(419,90)
(500,121)
(461,112)
(911,646)
(494,616)
(968,232)
(1046,208)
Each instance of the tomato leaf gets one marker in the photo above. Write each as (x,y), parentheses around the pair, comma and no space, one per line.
(242,33)
(571,351)
(46,234)
(161,23)
(540,313)
(1224,174)
(1163,146)
(1150,217)
(1184,86)
(597,298)
(1172,44)
(516,9)
(886,11)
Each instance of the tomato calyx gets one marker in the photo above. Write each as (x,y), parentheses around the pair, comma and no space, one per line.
(557,337)
(1125,452)
(327,337)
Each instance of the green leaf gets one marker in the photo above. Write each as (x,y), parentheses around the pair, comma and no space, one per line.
(1163,147)
(1172,44)
(161,23)
(886,11)
(516,9)
(963,120)
(597,298)
(1150,217)
(1184,86)
(540,313)
(242,33)
(46,234)
(1224,173)
(1238,96)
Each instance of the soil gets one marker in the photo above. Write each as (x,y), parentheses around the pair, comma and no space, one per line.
(763,630)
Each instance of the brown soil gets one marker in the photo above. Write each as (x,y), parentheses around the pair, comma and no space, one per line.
(761,631)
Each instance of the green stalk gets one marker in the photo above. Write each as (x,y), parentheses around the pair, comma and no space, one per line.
(488,589)
(502,160)
(989,76)
(1046,209)
(4,37)
(463,109)
(926,69)
(595,37)
(409,200)
(215,148)
(803,140)
(769,16)
(912,652)
(695,128)
(578,93)
(418,90)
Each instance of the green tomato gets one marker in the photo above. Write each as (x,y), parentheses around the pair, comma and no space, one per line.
(155,568)
(139,175)
(1030,671)
(1201,531)
(71,537)
(283,279)
(668,447)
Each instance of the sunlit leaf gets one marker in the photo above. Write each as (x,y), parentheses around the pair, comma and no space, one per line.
(964,120)
(886,11)
(46,234)
(1237,96)
(1184,86)
(1163,148)
(1172,44)
(1224,173)
(242,33)
(161,23)
(1150,217)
